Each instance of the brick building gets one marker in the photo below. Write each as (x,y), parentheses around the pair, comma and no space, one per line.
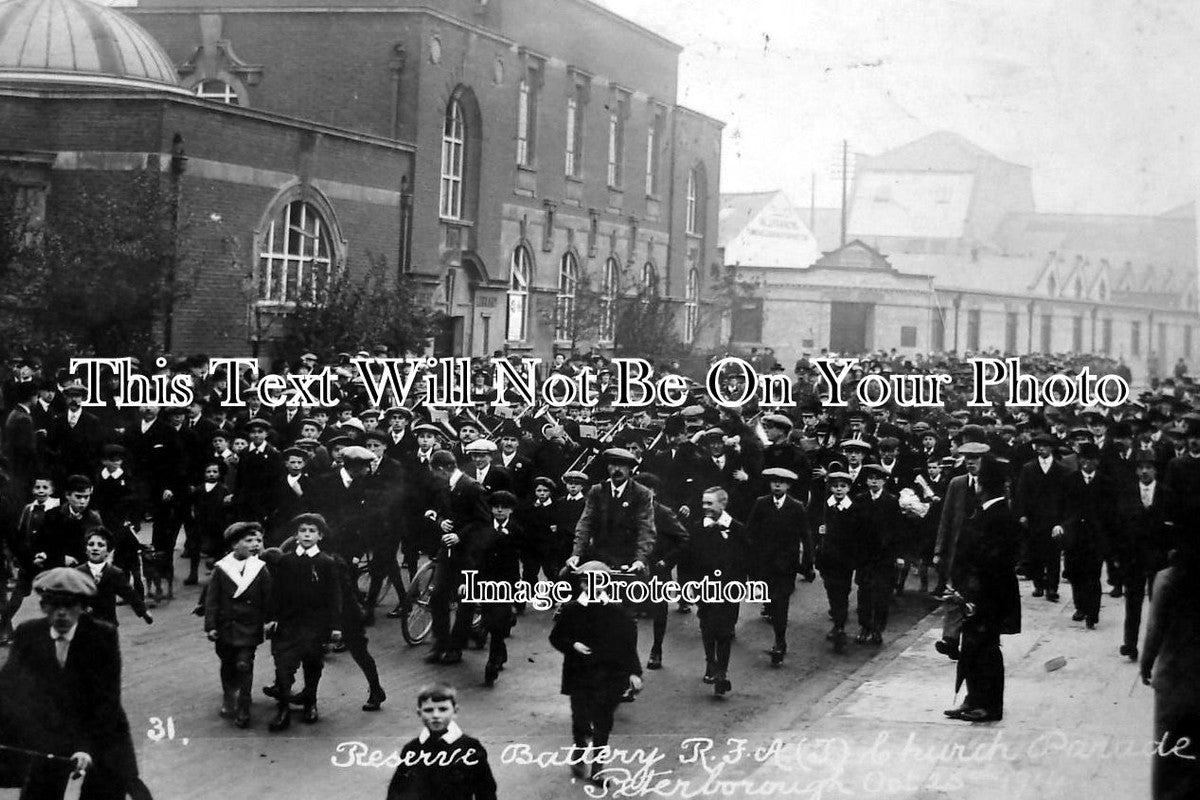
(88,99)
(549,150)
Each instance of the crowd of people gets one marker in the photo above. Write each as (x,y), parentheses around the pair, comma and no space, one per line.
(277,508)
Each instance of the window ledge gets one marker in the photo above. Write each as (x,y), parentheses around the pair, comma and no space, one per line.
(574,178)
(527,168)
(460,223)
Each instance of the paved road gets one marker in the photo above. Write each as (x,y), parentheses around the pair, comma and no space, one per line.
(172,693)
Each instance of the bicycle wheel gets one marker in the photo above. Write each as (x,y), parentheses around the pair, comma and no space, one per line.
(418,622)
(364,583)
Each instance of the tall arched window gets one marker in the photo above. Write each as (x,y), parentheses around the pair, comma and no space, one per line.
(608,299)
(295,255)
(691,202)
(454,138)
(649,282)
(691,306)
(564,317)
(520,269)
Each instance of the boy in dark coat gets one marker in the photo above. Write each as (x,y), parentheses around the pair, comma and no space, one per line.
(780,540)
(839,548)
(443,761)
(306,604)
(209,512)
(598,640)
(111,581)
(718,543)
(499,560)
(234,615)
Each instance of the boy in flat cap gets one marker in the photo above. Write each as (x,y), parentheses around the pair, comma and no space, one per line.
(304,613)
(498,559)
(235,612)
(781,542)
(598,640)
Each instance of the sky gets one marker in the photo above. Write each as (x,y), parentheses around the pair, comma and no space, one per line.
(1098,97)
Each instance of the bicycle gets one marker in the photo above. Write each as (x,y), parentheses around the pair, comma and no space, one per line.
(417,621)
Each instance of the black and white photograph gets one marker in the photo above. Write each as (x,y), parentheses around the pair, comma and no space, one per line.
(550,399)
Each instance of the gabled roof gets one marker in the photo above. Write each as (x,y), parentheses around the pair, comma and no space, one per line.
(738,209)
(764,229)
(949,150)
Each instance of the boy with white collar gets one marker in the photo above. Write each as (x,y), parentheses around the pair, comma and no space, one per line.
(442,761)
(719,551)
(305,613)
(234,615)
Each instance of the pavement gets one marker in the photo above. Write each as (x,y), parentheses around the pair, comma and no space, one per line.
(867,724)
(1077,724)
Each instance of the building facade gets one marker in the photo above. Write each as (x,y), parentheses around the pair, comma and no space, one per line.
(550,153)
(948,254)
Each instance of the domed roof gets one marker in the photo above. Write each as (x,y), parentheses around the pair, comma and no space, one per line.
(79,42)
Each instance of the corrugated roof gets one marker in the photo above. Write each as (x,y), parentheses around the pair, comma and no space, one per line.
(1163,239)
(990,273)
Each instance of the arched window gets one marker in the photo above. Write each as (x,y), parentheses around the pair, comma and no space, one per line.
(454,138)
(691,202)
(295,255)
(649,282)
(691,306)
(520,268)
(564,317)
(219,90)
(608,299)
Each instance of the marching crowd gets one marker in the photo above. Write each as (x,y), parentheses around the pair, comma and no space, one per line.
(278,508)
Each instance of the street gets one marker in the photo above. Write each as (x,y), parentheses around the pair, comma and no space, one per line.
(172,693)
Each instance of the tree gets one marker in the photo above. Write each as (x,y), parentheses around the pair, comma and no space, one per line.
(357,311)
(99,275)
(631,318)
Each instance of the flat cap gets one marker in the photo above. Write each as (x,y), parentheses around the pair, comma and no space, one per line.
(973,449)
(500,497)
(548,482)
(876,471)
(855,444)
(356,453)
(480,446)
(779,473)
(66,582)
(778,420)
(240,530)
(619,455)
(576,476)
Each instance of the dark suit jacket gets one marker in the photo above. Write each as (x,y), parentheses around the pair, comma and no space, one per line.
(779,537)
(617,532)
(20,445)
(63,710)
(954,513)
(464,505)
(1144,535)
(113,583)
(1041,497)
(306,596)
(75,451)
(62,535)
